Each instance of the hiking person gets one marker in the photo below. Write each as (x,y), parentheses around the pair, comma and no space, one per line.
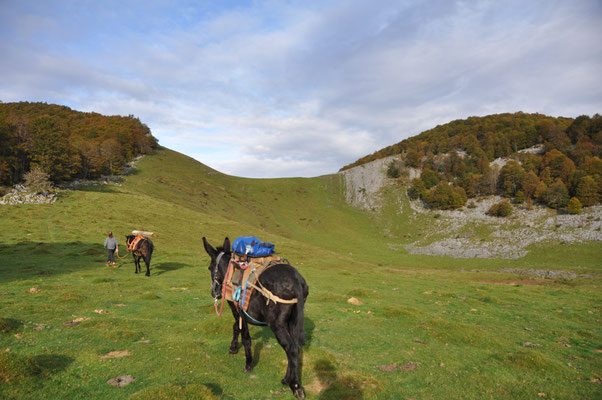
(112,246)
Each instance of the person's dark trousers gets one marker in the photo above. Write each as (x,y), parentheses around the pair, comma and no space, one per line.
(111,256)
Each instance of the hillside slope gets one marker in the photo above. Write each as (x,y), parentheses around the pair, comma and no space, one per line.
(424,326)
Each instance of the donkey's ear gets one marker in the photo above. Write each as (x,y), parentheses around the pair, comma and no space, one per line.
(226,245)
(208,248)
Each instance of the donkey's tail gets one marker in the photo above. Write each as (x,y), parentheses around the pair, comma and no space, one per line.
(151,247)
(299,311)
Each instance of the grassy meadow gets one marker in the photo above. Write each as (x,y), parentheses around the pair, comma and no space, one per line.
(423,328)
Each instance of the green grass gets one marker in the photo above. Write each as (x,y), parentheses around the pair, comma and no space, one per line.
(466,335)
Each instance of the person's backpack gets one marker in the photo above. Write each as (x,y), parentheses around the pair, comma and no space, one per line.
(252,247)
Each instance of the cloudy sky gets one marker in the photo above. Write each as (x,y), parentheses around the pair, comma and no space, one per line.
(301,88)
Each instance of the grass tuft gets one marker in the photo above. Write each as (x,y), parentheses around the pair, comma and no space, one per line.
(459,333)
(149,296)
(72,297)
(402,312)
(103,280)
(361,293)
(527,359)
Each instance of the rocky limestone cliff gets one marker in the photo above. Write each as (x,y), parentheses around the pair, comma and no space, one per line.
(452,233)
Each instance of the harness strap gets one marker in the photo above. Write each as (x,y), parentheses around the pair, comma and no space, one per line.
(253,319)
(219,257)
(271,296)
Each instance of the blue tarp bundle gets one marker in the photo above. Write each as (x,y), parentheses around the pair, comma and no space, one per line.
(252,246)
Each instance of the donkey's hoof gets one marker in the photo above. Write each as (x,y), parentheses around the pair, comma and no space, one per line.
(233,350)
(284,382)
(247,369)
(147,274)
(299,394)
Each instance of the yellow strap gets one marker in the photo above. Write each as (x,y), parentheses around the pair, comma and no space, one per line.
(271,296)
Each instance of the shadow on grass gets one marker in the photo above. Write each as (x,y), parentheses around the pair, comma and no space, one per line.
(215,389)
(168,267)
(16,368)
(9,325)
(52,363)
(264,334)
(336,386)
(30,260)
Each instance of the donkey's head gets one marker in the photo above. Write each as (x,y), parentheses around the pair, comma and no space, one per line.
(129,239)
(218,265)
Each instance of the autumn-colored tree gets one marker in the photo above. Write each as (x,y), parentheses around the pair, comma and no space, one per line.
(541,192)
(557,195)
(91,158)
(546,176)
(501,209)
(560,165)
(520,197)
(574,206)
(587,191)
(110,151)
(529,184)
(429,177)
(416,189)
(583,150)
(454,165)
(530,162)
(592,166)
(470,184)
(393,170)
(445,197)
(414,158)
(51,152)
(488,182)
(8,159)
(511,177)
(38,181)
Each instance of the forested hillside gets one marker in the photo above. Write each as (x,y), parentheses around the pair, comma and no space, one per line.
(562,164)
(66,144)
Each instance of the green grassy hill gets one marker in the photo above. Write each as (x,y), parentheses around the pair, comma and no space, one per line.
(427,328)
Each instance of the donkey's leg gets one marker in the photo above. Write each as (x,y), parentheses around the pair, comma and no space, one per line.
(147,262)
(235,333)
(135,264)
(292,353)
(296,355)
(246,342)
(235,330)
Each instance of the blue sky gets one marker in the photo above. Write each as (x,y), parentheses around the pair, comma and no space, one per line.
(285,88)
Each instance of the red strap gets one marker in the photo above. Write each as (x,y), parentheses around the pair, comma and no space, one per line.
(219,314)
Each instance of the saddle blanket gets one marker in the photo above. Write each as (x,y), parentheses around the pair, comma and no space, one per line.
(132,246)
(241,278)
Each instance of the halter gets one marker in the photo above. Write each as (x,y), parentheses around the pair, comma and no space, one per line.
(215,282)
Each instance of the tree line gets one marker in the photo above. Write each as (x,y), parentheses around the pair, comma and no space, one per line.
(66,144)
(562,166)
